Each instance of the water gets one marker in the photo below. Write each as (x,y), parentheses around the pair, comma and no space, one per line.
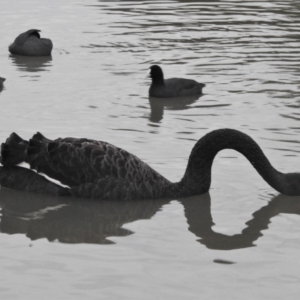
(239,242)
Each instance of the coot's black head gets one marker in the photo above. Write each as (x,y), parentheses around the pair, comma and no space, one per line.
(156,73)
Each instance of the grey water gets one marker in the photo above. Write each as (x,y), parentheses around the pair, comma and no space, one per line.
(240,241)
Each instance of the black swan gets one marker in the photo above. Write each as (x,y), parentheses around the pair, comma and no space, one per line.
(173,87)
(99,170)
(30,43)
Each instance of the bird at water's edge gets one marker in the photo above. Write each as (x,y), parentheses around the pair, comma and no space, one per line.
(99,170)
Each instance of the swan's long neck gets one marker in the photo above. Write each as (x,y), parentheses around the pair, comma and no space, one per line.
(197,177)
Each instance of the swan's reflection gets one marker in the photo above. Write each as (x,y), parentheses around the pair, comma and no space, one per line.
(31,63)
(70,220)
(157,105)
(200,221)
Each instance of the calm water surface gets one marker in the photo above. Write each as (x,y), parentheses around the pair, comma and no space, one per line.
(241,241)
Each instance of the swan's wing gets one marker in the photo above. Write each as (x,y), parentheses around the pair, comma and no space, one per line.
(112,188)
(93,169)
(80,161)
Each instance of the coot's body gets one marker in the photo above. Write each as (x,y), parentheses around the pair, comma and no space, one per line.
(30,43)
(172,87)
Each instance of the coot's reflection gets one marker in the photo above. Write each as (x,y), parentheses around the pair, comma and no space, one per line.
(70,220)
(31,63)
(157,105)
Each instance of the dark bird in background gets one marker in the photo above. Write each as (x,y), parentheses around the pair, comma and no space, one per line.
(173,87)
(1,82)
(30,43)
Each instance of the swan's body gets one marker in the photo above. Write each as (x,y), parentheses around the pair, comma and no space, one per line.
(172,87)
(30,43)
(95,169)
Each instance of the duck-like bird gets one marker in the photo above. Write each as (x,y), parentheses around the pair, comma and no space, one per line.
(99,170)
(1,82)
(30,43)
(172,87)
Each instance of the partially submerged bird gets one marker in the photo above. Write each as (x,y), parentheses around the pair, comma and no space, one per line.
(1,82)
(173,87)
(99,170)
(30,43)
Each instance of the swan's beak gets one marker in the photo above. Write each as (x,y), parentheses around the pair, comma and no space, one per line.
(148,75)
